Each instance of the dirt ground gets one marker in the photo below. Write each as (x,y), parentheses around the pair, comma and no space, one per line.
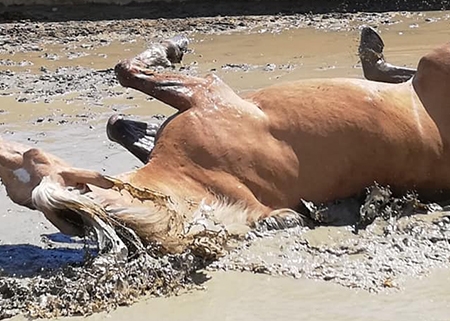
(57,88)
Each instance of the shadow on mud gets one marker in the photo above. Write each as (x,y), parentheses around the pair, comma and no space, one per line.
(204,8)
(26,260)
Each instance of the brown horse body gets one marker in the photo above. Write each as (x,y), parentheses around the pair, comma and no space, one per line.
(254,157)
(318,140)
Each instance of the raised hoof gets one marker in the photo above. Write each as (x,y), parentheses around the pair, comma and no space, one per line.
(371,41)
(374,66)
(137,137)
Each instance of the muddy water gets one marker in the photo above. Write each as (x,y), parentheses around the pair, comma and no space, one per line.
(241,296)
(246,62)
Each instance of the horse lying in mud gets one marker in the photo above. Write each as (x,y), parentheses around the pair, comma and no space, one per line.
(223,163)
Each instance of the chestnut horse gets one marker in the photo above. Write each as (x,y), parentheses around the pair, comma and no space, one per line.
(232,161)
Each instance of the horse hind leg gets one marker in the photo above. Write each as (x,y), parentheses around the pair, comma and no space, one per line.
(176,90)
(373,63)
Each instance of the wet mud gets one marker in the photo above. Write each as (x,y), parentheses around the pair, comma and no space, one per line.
(58,89)
(401,237)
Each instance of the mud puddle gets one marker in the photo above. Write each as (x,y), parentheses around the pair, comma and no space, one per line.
(62,94)
(80,72)
(237,296)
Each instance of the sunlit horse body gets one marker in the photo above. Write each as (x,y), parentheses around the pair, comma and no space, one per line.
(243,159)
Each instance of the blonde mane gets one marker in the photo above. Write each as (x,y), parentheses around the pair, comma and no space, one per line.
(173,227)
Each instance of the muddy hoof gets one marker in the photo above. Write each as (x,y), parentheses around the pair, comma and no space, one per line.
(176,47)
(371,41)
(163,54)
(137,137)
(373,63)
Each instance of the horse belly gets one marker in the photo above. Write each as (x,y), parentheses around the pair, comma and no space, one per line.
(344,162)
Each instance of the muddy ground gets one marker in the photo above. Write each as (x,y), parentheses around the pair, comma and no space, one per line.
(24,28)
(57,89)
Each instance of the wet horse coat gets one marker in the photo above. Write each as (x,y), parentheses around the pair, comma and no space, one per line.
(318,140)
(258,156)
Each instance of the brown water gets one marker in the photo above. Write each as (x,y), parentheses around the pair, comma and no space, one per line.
(232,295)
(242,296)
